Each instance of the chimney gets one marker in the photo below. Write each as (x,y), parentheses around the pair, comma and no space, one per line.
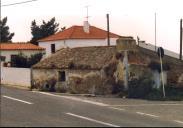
(86,27)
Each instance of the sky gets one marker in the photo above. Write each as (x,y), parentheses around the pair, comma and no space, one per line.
(127,17)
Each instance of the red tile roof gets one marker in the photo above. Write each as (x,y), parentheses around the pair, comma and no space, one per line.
(77,32)
(19,46)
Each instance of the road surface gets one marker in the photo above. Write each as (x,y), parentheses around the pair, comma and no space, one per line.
(31,108)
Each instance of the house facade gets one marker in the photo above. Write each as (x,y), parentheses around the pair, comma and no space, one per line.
(10,50)
(77,36)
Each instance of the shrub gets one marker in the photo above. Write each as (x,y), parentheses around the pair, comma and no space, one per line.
(34,59)
(23,61)
(19,61)
(172,93)
(139,88)
(156,66)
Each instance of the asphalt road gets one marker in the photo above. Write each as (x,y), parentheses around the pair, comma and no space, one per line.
(28,109)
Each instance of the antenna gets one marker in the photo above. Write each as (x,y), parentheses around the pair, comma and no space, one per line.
(155,32)
(87,16)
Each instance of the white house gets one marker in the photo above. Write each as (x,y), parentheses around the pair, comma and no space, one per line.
(77,36)
(10,50)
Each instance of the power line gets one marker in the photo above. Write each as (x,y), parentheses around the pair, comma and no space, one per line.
(23,2)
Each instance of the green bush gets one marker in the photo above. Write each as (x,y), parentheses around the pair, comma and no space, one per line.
(139,88)
(156,66)
(171,92)
(19,61)
(23,61)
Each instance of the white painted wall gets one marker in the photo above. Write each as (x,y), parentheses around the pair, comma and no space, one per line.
(16,76)
(158,79)
(8,53)
(152,48)
(72,43)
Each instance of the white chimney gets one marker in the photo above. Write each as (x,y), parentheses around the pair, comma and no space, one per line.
(86,27)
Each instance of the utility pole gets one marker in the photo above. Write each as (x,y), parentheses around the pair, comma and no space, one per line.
(155,32)
(180,39)
(87,16)
(108,36)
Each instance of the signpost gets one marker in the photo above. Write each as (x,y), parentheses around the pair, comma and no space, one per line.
(161,55)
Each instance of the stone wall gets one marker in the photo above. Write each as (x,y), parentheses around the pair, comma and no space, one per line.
(41,77)
(77,81)
(180,80)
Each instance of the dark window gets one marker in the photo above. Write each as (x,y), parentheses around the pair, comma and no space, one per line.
(62,76)
(52,48)
(2,58)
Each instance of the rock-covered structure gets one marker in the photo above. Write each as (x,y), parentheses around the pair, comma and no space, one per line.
(100,69)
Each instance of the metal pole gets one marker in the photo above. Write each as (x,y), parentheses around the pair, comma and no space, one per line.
(181,39)
(108,37)
(0,72)
(162,76)
(155,32)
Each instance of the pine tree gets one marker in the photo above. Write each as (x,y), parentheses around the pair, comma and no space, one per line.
(6,36)
(44,30)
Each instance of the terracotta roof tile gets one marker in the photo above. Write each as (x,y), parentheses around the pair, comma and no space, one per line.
(19,46)
(77,32)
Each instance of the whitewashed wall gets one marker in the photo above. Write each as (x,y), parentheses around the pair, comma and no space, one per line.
(152,48)
(72,43)
(16,76)
(158,78)
(8,53)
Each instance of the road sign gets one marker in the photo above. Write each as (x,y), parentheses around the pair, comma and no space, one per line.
(161,54)
(160,49)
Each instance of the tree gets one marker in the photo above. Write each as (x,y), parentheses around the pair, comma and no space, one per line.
(6,36)
(44,30)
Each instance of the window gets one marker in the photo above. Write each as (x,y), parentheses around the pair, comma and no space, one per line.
(2,58)
(52,48)
(62,77)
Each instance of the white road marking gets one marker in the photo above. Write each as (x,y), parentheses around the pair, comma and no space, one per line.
(17,100)
(74,98)
(96,121)
(145,114)
(139,105)
(178,121)
(121,109)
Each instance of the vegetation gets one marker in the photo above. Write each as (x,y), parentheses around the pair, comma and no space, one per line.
(44,30)
(156,66)
(6,36)
(140,88)
(23,61)
(172,93)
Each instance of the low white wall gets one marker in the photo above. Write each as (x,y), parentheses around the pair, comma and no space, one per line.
(16,76)
(166,52)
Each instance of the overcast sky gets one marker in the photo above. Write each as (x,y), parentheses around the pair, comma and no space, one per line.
(127,17)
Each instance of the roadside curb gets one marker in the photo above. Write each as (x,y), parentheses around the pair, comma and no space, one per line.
(66,94)
(57,93)
(16,86)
